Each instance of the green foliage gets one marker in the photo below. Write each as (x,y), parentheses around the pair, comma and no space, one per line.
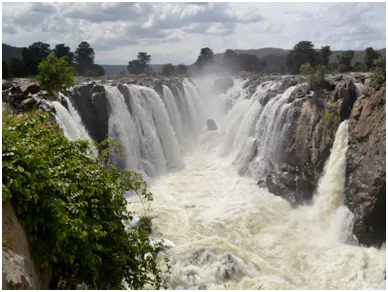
(250,63)
(181,69)
(84,57)
(55,74)
(168,69)
(231,61)
(33,55)
(73,208)
(95,70)
(345,61)
(315,77)
(324,55)
(359,67)
(206,57)
(5,70)
(370,56)
(302,53)
(17,68)
(61,50)
(140,65)
(379,72)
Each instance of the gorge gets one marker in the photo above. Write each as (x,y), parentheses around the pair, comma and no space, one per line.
(287,193)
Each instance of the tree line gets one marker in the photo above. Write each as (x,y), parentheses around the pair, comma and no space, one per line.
(82,60)
(141,65)
(302,53)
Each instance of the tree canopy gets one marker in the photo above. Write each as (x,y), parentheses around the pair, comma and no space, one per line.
(206,57)
(140,65)
(62,50)
(303,52)
(324,55)
(33,55)
(370,56)
(345,61)
(168,69)
(181,69)
(55,74)
(84,57)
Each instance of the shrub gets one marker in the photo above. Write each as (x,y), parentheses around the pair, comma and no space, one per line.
(74,208)
(55,74)
(314,77)
(379,72)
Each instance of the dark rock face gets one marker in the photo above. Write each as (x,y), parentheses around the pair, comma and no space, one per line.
(91,102)
(365,193)
(223,85)
(33,89)
(310,145)
(211,125)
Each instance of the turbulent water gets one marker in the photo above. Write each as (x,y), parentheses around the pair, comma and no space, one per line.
(224,231)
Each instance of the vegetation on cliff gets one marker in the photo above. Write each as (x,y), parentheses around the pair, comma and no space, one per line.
(74,208)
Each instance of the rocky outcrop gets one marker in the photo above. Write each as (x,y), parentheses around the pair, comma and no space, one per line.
(311,142)
(19,269)
(211,125)
(365,193)
(92,105)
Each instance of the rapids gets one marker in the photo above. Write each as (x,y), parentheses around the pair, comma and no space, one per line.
(224,231)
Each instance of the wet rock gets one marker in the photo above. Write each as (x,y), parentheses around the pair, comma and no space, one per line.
(33,89)
(365,192)
(6,85)
(211,125)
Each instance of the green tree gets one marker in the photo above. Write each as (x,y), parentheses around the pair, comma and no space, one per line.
(5,70)
(140,65)
(95,71)
(379,72)
(61,50)
(18,69)
(55,74)
(231,60)
(206,57)
(181,69)
(84,57)
(302,53)
(315,77)
(168,69)
(324,55)
(250,63)
(359,67)
(74,209)
(33,55)
(370,56)
(345,61)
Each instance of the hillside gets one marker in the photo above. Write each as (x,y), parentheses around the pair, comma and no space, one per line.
(111,70)
(10,52)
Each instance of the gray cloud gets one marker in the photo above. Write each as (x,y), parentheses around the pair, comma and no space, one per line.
(175,32)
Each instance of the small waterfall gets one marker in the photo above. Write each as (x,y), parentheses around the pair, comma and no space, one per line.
(70,121)
(329,194)
(123,130)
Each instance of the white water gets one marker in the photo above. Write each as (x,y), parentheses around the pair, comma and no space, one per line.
(226,233)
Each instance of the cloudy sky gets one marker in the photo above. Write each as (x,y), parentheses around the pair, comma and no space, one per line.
(175,32)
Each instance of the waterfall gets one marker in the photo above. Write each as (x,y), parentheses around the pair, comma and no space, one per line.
(70,121)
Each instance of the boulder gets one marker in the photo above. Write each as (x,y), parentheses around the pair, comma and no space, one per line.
(7,84)
(33,89)
(211,125)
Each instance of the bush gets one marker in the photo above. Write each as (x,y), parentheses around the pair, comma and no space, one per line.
(379,72)
(55,74)
(314,77)
(74,208)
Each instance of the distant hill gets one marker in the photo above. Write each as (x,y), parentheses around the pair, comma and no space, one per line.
(10,52)
(276,57)
(111,70)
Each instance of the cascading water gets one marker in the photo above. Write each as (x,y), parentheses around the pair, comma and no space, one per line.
(225,232)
